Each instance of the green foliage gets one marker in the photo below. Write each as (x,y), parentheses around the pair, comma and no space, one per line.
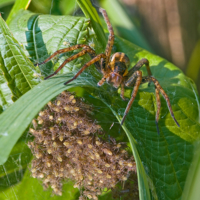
(162,160)
(124,25)
(19,4)
(193,67)
(5,93)
(90,12)
(191,190)
(17,68)
(5,2)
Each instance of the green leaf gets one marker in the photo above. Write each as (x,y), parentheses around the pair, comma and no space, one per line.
(66,10)
(142,178)
(90,12)
(13,170)
(17,68)
(193,67)
(165,158)
(5,2)
(19,4)
(191,189)
(5,93)
(44,35)
(124,25)
(32,189)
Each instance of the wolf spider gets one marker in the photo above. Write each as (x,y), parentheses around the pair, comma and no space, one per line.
(114,69)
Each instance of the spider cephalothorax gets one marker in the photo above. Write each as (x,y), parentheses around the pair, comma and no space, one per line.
(115,70)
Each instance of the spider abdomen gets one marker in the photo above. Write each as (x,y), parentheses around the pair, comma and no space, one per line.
(119,57)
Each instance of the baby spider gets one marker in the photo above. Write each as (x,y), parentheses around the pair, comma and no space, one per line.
(114,69)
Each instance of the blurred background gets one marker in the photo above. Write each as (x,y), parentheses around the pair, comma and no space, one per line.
(168,28)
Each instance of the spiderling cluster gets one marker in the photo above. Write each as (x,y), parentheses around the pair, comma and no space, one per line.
(67,146)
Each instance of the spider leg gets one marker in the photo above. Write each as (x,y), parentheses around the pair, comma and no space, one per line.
(95,59)
(111,36)
(101,82)
(160,89)
(138,65)
(90,51)
(122,92)
(78,46)
(158,103)
(137,75)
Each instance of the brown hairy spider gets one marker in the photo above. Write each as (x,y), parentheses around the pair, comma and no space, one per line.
(114,69)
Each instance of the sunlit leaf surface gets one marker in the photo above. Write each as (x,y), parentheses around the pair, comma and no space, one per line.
(17,68)
(5,93)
